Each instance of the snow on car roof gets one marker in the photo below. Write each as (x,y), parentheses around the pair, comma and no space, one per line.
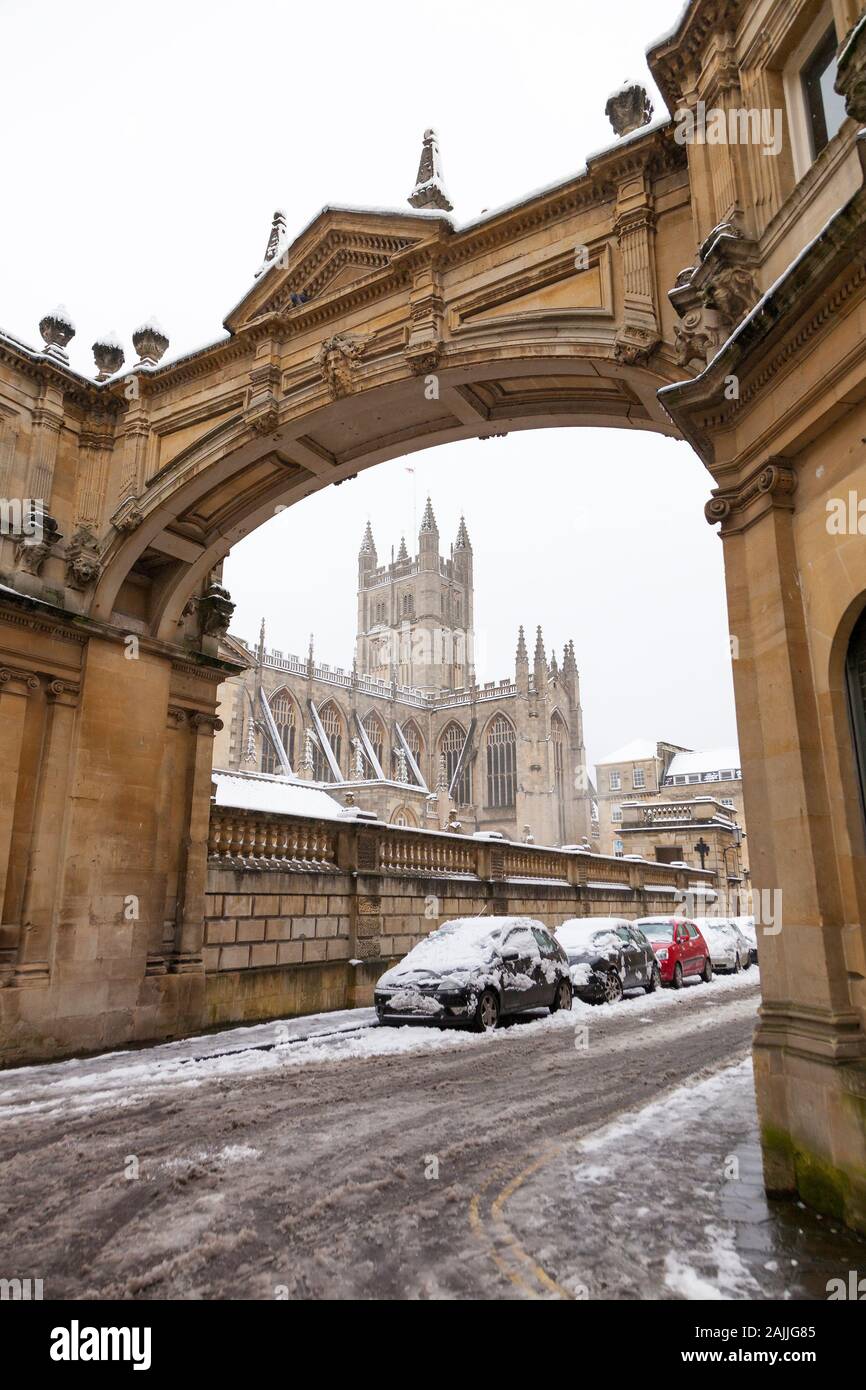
(463,941)
(580,928)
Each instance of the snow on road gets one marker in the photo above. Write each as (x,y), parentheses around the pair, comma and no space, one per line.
(119,1079)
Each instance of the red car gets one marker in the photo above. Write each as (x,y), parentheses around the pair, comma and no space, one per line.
(680,949)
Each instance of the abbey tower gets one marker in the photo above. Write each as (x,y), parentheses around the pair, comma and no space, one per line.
(415,615)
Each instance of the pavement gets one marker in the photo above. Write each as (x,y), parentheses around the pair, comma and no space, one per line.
(607,1153)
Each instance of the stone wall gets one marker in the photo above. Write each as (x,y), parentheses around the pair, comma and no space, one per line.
(285,935)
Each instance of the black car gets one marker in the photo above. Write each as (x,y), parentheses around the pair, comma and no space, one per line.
(606,956)
(472,971)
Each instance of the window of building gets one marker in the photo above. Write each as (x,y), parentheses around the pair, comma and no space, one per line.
(638,777)
(376,734)
(727,801)
(614,781)
(616,813)
(501,763)
(856,671)
(559,735)
(669,855)
(825,109)
(412,735)
(618,848)
(333,727)
(408,605)
(283,710)
(452,743)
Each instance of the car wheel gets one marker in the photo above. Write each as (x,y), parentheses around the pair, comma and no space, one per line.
(748,964)
(707,972)
(562,997)
(612,988)
(487,1013)
(654,981)
(677,980)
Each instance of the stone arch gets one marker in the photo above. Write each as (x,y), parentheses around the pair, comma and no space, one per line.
(415,740)
(559,745)
(402,815)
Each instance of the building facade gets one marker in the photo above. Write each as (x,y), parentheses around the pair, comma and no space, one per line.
(406,731)
(643,772)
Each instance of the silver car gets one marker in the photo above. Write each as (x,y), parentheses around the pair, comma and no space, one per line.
(730,951)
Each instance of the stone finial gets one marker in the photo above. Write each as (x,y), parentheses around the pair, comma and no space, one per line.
(429,190)
(522,654)
(428,520)
(368,545)
(462,542)
(628,108)
(277,236)
(150,343)
(108,355)
(540,657)
(402,765)
(402,553)
(57,331)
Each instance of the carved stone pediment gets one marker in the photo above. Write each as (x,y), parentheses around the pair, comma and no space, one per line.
(851,71)
(338,249)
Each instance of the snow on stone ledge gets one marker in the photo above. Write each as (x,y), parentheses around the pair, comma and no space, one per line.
(261,792)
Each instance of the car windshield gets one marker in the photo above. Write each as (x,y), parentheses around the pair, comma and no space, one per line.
(658,931)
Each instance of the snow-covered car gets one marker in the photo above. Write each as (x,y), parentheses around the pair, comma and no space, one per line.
(746,925)
(606,956)
(729,949)
(472,971)
(680,949)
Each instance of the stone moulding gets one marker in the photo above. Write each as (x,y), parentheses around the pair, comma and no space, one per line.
(775,482)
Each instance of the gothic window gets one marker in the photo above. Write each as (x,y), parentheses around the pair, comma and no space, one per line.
(857,699)
(408,606)
(452,743)
(283,710)
(501,763)
(403,816)
(376,734)
(333,727)
(458,609)
(559,737)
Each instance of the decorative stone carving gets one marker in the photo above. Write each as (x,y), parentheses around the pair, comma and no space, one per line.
(773,485)
(57,330)
(262,409)
(150,343)
(851,71)
(82,558)
(712,296)
(215,610)
(628,108)
(32,553)
(337,359)
(108,355)
(275,240)
(429,190)
(128,516)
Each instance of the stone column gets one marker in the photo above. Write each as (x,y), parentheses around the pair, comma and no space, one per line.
(40,893)
(15,688)
(190,934)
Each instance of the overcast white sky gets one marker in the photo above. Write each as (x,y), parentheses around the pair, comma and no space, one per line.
(144,151)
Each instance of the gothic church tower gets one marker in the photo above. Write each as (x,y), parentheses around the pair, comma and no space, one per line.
(415,615)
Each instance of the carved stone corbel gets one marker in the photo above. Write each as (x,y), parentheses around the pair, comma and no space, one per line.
(337,360)
(82,559)
(712,296)
(128,516)
(262,406)
(215,610)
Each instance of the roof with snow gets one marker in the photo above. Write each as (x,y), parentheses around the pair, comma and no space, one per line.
(726,758)
(636,751)
(261,792)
